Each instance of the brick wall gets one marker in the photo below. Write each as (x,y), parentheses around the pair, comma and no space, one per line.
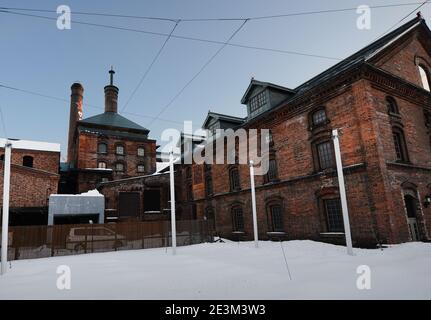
(29,187)
(89,158)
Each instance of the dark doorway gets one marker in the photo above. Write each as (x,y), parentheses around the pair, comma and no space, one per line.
(76,219)
(129,204)
(411,208)
(152,201)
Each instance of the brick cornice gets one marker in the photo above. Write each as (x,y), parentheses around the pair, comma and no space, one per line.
(396,86)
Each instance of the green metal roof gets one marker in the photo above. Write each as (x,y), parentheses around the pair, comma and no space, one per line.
(114,120)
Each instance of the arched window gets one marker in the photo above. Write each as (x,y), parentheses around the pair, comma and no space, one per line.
(119,167)
(210,215)
(334,215)
(325,155)
(119,149)
(275,218)
(101,165)
(234,179)
(392,105)
(423,71)
(237,219)
(272,174)
(27,161)
(400,144)
(102,148)
(319,117)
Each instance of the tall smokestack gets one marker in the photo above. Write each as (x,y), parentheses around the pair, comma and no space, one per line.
(76,99)
(111,94)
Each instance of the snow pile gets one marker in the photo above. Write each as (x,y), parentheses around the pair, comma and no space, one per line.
(91,193)
(228,271)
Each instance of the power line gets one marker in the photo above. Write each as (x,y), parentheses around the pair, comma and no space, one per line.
(178,36)
(199,72)
(406,16)
(85,104)
(150,66)
(293,14)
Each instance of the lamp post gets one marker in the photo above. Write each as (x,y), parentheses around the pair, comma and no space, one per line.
(342,192)
(253,202)
(5,218)
(172,187)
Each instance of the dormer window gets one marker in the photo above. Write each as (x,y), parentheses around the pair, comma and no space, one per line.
(423,71)
(257,102)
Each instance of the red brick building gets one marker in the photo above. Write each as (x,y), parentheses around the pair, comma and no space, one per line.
(34,177)
(104,147)
(379,99)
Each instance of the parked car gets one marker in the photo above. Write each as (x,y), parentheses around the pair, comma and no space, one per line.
(94,237)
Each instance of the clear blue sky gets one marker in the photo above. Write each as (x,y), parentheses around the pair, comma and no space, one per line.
(36,56)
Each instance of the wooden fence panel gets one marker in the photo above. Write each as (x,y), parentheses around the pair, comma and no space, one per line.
(30,242)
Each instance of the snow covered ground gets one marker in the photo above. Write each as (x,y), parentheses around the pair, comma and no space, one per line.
(228,271)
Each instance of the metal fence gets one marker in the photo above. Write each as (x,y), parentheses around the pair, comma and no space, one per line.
(30,242)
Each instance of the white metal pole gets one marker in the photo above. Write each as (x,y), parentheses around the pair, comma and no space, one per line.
(5,219)
(253,203)
(172,187)
(342,192)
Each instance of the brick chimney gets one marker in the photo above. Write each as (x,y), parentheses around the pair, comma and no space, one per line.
(76,99)
(111,94)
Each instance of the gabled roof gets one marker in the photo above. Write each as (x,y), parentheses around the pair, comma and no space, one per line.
(112,120)
(363,55)
(223,117)
(254,83)
(356,60)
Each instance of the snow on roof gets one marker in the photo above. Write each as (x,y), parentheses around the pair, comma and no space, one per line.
(31,145)
(161,165)
(91,193)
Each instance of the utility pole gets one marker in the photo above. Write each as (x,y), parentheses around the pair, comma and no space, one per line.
(342,187)
(5,218)
(172,187)
(253,203)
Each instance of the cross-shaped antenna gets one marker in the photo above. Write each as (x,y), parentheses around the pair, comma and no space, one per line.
(111,76)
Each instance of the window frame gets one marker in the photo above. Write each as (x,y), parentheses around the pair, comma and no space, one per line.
(272,227)
(237,215)
(234,179)
(120,145)
(102,144)
(100,162)
(116,168)
(398,136)
(329,152)
(140,165)
(424,74)
(140,148)
(330,225)
(391,103)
